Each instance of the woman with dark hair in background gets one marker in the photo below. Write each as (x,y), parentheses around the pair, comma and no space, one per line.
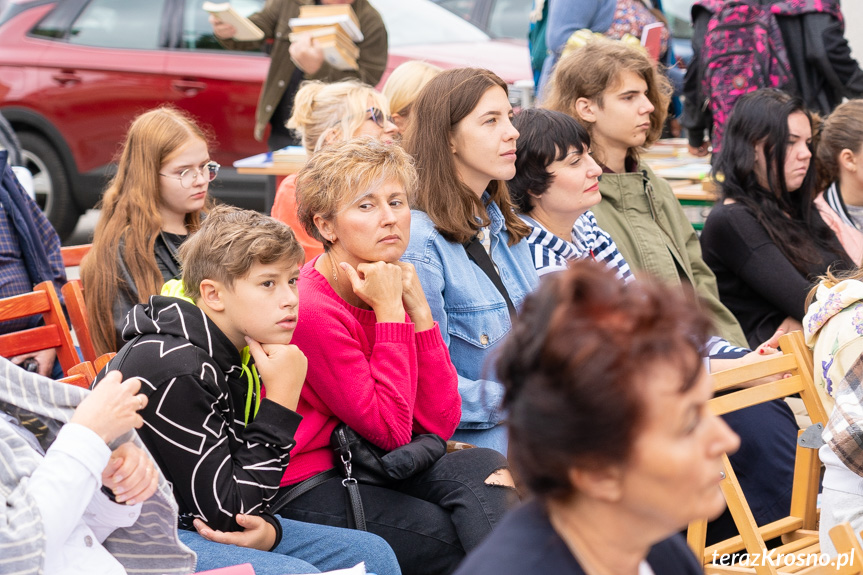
(765,240)
(634,454)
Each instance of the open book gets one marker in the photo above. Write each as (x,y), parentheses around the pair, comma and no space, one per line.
(246,29)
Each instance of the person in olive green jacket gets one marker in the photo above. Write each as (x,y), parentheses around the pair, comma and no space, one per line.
(293,62)
(614,91)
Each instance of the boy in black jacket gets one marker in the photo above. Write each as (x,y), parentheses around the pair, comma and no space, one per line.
(222,445)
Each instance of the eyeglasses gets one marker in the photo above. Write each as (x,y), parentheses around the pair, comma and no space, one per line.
(189,176)
(378,117)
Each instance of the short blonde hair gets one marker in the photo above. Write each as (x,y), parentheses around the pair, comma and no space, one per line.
(230,242)
(320,108)
(404,84)
(595,68)
(339,173)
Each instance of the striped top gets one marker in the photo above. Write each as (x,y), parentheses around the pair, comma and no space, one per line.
(43,406)
(551,253)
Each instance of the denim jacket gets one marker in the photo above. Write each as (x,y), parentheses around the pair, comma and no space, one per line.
(471,313)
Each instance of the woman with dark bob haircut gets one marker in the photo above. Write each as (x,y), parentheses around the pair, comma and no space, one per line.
(556,183)
(766,241)
(634,453)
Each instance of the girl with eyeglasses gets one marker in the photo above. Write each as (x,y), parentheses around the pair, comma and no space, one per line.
(150,207)
(325,114)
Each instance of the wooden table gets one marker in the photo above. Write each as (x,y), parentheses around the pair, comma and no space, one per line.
(263,165)
(689,176)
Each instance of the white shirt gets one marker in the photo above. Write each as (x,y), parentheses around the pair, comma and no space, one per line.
(76,515)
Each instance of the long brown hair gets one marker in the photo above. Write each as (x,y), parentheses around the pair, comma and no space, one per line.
(444,102)
(592,69)
(130,211)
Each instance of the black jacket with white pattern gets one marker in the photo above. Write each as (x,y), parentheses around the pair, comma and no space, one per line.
(194,421)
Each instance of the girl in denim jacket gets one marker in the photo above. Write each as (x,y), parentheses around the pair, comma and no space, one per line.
(463,142)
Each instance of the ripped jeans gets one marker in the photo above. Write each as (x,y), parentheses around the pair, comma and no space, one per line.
(430,520)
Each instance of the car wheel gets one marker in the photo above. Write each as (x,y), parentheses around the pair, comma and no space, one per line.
(51,182)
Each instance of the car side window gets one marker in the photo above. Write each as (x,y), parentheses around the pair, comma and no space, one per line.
(463,8)
(509,19)
(119,24)
(197,31)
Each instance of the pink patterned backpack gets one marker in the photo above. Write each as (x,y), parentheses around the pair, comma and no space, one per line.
(744,51)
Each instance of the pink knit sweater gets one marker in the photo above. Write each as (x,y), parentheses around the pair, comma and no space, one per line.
(382,379)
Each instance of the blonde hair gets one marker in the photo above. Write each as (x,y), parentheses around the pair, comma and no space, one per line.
(843,130)
(320,108)
(230,242)
(596,67)
(336,175)
(404,84)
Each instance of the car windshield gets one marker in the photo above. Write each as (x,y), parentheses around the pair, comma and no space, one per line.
(422,22)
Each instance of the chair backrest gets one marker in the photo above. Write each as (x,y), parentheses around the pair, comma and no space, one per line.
(72,255)
(82,375)
(54,334)
(73,295)
(799,529)
(103,360)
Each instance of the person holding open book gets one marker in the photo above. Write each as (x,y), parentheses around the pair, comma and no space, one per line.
(300,59)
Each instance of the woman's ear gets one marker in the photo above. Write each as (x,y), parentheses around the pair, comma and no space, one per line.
(325,228)
(332,136)
(603,482)
(586,109)
(211,295)
(848,160)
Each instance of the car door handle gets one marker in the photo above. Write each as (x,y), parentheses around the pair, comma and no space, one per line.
(188,87)
(66,78)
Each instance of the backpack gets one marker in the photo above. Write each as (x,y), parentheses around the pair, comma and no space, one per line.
(744,51)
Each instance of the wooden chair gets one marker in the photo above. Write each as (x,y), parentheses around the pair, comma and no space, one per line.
(73,295)
(81,375)
(72,255)
(799,530)
(103,360)
(54,334)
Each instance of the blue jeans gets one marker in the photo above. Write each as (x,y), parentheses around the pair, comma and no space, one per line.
(305,548)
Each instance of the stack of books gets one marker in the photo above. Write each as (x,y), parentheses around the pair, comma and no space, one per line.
(335,29)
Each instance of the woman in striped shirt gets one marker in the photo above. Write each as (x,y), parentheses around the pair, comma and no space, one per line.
(555,185)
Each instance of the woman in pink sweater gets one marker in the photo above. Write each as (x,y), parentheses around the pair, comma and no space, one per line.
(377,362)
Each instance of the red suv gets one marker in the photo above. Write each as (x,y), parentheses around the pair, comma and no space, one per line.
(73,74)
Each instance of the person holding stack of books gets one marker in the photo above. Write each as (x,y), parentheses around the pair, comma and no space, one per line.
(298,56)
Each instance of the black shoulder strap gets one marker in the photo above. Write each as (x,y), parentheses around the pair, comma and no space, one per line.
(479,256)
